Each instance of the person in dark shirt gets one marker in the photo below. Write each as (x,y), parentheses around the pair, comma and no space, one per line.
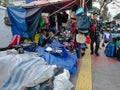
(95,36)
(64,17)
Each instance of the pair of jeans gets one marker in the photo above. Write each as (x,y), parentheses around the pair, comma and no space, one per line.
(79,50)
(95,40)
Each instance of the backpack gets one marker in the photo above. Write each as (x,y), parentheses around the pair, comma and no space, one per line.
(118,53)
(83,22)
(109,50)
(106,39)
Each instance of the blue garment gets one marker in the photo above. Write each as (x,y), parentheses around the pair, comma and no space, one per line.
(78,51)
(100,22)
(109,51)
(53,29)
(42,37)
(80,46)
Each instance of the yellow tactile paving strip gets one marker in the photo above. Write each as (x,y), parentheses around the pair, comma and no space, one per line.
(84,81)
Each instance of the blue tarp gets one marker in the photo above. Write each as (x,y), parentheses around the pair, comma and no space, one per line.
(24,21)
(17,17)
(68,62)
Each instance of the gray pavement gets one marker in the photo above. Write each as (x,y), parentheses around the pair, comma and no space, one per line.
(107,77)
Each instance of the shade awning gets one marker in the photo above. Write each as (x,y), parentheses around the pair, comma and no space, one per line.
(66,5)
(53,6)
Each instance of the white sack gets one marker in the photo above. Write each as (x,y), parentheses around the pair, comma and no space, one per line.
(62,82)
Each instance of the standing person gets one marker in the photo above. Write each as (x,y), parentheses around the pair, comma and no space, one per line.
(95,35)
(59,16)
(80,39)
(64,17)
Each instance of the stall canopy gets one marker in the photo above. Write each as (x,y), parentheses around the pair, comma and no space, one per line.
(54,6)
(25,20)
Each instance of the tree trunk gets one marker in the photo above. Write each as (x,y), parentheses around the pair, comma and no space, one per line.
(102,6)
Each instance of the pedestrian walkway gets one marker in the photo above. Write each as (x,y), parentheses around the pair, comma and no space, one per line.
(98,72)
(106,72)
(84,81)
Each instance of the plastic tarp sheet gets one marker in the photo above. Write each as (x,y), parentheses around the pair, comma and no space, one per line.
(17,16)
(20,71)
(24,21)
(62,82)
(68,62)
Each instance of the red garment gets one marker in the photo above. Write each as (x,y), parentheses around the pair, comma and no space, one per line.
(88,40)
(73,26)
(15,41)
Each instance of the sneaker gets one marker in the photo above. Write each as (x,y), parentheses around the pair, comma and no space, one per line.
(92,53)
(97,54)
(82,54)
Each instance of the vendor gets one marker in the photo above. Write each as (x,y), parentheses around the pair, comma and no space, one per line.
(43,38)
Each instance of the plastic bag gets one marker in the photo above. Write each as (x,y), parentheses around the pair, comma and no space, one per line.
(79,11)
(62,82)
(83,22)
(88,40)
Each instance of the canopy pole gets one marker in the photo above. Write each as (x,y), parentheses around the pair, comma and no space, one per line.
(56,22)
(83,3)
(62,8)
(80,3)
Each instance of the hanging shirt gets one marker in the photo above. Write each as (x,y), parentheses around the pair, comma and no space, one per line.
(42,38)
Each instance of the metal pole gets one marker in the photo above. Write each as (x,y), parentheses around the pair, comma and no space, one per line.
(83,3)
(62,8)
(56,22)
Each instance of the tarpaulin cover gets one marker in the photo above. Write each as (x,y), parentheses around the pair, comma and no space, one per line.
(20,71)
(54,6)
(24,21)
(68,62)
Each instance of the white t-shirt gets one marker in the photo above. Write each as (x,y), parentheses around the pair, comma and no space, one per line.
(80,38)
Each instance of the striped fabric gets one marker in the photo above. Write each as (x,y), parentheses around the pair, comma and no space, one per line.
(22,71)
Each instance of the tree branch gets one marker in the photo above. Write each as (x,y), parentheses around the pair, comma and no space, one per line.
(102,7)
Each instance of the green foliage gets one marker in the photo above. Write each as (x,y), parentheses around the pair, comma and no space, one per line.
(105,11)
(95,9)
(4,4)
(117,16)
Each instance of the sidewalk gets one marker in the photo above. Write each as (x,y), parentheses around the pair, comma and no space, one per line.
(106,72)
